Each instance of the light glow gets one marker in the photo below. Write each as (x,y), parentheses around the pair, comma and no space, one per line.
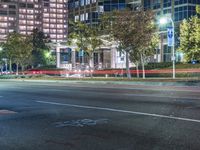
(163,21)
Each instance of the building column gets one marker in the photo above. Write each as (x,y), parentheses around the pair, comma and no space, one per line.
(57,56)
(99,60)
(113,53)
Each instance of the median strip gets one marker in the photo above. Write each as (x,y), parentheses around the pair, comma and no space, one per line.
(120,111)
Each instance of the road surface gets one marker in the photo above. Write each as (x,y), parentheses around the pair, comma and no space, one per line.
(83,116)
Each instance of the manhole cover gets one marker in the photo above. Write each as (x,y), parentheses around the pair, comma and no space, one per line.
(6,112)
(81,122)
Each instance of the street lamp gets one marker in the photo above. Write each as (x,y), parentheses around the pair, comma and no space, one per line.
(164,21)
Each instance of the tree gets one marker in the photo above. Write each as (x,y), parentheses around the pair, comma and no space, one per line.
(9,47)
(23,51)
(141,54)
(1,61)
(132,30)
(149,50)
(18,48)
(39,40)
(190,37)
(86,38)
(95,42)
(135,57)
(79,36)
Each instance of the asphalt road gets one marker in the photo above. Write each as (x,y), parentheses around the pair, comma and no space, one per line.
(81,116)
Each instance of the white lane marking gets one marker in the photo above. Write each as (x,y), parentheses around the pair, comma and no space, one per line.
(121,111)
(2,112)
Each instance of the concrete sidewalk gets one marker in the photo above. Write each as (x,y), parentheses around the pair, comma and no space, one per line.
(147,83)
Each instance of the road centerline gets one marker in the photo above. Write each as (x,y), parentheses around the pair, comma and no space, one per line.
(120,111)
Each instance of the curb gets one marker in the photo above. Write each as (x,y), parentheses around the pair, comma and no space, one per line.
(147,83)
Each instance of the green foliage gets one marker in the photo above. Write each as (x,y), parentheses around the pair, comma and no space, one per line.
(190,38)
(9,45)
(85,37)
(198,9)
(149,50)
(18,48)
(50,59)
(48,67)
(39,47)
(39,39)
(23,51)
(79,36)
(95,40)
(132,29)
(134,33)
(162,65)
(1,60)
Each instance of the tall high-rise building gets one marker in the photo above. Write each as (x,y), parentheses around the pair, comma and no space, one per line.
(49,16)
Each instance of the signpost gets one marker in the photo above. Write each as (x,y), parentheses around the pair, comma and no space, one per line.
(81,54)
(170,37)
(170,40)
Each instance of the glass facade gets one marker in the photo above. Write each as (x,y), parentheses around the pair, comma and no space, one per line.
(83,10)
(167,3)
(110,5)
(88,11)
(178,9)
(147,4)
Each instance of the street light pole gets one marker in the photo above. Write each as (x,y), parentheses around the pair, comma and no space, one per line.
(173,49)
(164,21)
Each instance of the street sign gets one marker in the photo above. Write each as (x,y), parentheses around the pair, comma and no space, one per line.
(170,36)
(80,53)
(194,62)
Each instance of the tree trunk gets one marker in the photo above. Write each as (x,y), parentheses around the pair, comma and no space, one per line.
(137,70)
(91,62)
(10,65)
(91,65)
(22,69)
(127,66)
(73,59)
(17,71)
(1,69)
(143,69)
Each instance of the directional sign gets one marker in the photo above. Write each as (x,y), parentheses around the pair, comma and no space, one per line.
(170,36)
(80,53)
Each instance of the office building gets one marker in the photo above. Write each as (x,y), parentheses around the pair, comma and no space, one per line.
(49,16)
(88,11)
